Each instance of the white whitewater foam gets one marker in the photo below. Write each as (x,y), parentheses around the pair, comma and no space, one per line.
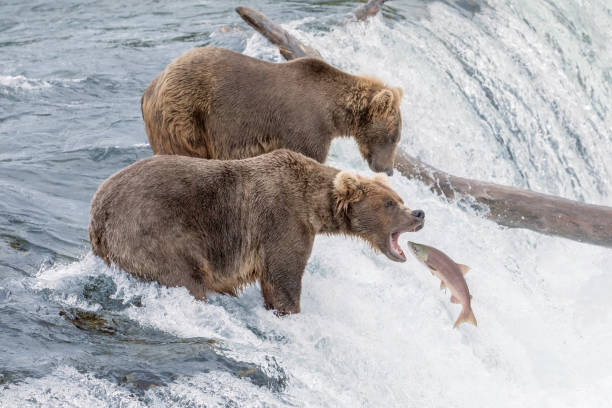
(21,82)
(66,387)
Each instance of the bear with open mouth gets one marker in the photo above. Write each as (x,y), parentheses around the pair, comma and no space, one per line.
(216,226)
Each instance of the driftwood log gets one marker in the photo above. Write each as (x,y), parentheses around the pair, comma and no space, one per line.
(288,45)
(507,206)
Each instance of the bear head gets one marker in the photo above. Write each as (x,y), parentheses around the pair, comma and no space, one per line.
(380,129)
(374,212)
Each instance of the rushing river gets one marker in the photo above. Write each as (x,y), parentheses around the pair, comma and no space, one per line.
(518,92)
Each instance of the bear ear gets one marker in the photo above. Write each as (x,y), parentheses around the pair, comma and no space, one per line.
(381,178)
(347,189)
(398,93)
(382,102)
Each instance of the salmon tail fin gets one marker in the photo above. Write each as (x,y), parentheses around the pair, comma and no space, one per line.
(464,268)
(467,315)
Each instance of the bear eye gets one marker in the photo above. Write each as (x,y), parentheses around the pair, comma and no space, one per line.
(390,204)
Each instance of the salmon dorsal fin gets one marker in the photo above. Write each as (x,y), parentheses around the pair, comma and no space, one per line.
(464,268)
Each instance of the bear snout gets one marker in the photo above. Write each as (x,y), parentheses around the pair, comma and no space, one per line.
(420,214)
(377,167)
(418,219)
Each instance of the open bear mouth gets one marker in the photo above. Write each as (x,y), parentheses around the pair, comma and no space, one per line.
(394,249)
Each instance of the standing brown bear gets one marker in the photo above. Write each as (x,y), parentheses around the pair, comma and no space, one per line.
(213,225)
(217,104)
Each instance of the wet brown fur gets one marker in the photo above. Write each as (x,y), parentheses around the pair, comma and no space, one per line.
(217,104)
(212,225)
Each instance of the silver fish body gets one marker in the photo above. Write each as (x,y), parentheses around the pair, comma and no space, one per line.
(450,274)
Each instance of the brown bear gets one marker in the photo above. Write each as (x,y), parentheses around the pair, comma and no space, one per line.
(217,104)
(213,225)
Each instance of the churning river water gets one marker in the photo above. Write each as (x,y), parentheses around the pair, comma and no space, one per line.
(517,92)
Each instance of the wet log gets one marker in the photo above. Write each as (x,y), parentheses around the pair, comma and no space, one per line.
(517,208)
(288,45)
(507,206)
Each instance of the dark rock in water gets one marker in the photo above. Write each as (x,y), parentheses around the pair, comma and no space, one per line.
(16,243)
(142,380)
(90,321)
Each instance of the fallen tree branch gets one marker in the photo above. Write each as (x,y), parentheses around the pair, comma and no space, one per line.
(508,206)
(518,208)
(287,44)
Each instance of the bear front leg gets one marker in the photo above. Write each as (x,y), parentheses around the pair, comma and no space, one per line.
(268,294)
(281,285)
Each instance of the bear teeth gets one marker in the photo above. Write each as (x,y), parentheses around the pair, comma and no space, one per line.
(395,248)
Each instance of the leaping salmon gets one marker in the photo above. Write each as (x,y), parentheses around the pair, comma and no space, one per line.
(450,275)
